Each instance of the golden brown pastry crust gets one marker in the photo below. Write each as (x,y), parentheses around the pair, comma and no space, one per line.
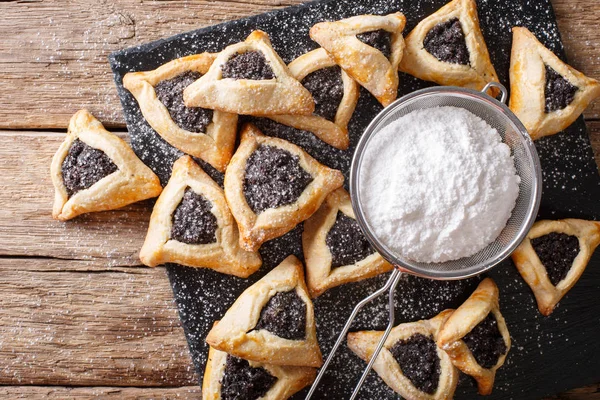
(133,181)
(483,300)
(319,274)
(333,133)
(235,333)
(528,83)
(257,229)
(364,344)
(533,271)
(290,380)
(420,63)
(367,65)
(280,95)
(225,255)
(215,146)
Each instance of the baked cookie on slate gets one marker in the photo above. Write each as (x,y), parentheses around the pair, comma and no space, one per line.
(250,78)
(553,257)
(335,94)
(475,336)
(545,93)
(94,170)
(410,362)
(272,321)
(228,377)
(200,132)
(368,48)
(272,185)
(335,249)
(191,225)
(448,48)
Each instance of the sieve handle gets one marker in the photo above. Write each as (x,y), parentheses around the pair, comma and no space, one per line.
(498,86)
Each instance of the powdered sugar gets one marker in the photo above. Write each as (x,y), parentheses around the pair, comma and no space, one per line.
(438,184)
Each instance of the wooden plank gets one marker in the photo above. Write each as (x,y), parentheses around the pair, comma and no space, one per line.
(56,62)
(83,323)
(26,195)
(77,393)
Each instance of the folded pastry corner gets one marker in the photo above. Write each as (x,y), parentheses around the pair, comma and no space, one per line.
(94,170)
(272,321)
(272,185)
(250,78)
(410,362)
(448,48)
(553,257)
(475,336)
(191,225)
(369,48)
(335,249)
(545,93)
(200,132)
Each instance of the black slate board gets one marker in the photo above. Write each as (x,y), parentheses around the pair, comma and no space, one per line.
(549,355)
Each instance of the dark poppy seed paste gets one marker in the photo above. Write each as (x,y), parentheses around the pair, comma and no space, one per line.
(170,93)
(446,42)
(379,39)
(193,222)
(243,382)
(274,178)
(559,92)
(485,342)
(249,65)
(83,166)
(284,315)
(556,251)
(419,361)
(327,89)
(346,242)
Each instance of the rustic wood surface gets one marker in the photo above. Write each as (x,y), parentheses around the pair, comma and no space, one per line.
(78,316)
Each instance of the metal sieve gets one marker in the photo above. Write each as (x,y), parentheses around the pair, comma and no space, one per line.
(527,165)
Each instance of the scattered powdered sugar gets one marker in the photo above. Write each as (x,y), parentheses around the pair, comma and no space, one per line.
(438,184)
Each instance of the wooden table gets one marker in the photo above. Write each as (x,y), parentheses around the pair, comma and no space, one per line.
(79,316)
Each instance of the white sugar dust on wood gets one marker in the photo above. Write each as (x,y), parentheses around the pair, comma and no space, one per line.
(438,184)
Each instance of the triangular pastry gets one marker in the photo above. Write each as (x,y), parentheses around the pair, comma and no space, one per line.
(448,48)
(230,377)
(410,361)
(368,48)
(335,249)
(335,94)
(191,225)
(250,78)
(94,170)
(272,321)
(200,132)
(475,336)
(553,257)
(272,185)
(545,93)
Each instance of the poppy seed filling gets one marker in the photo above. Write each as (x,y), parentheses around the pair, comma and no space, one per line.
(327,88)
(170,94)
(346,242)
(83,166)
(446,42)
(193,222)
(379,39)
(556,251)
(418,359)
(558,92)
(273,178)
(249,65)
(284,315)
(485,342)
(242,381)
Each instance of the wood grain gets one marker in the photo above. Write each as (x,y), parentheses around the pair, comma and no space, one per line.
(56,61)
(85,323)
(78,393)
